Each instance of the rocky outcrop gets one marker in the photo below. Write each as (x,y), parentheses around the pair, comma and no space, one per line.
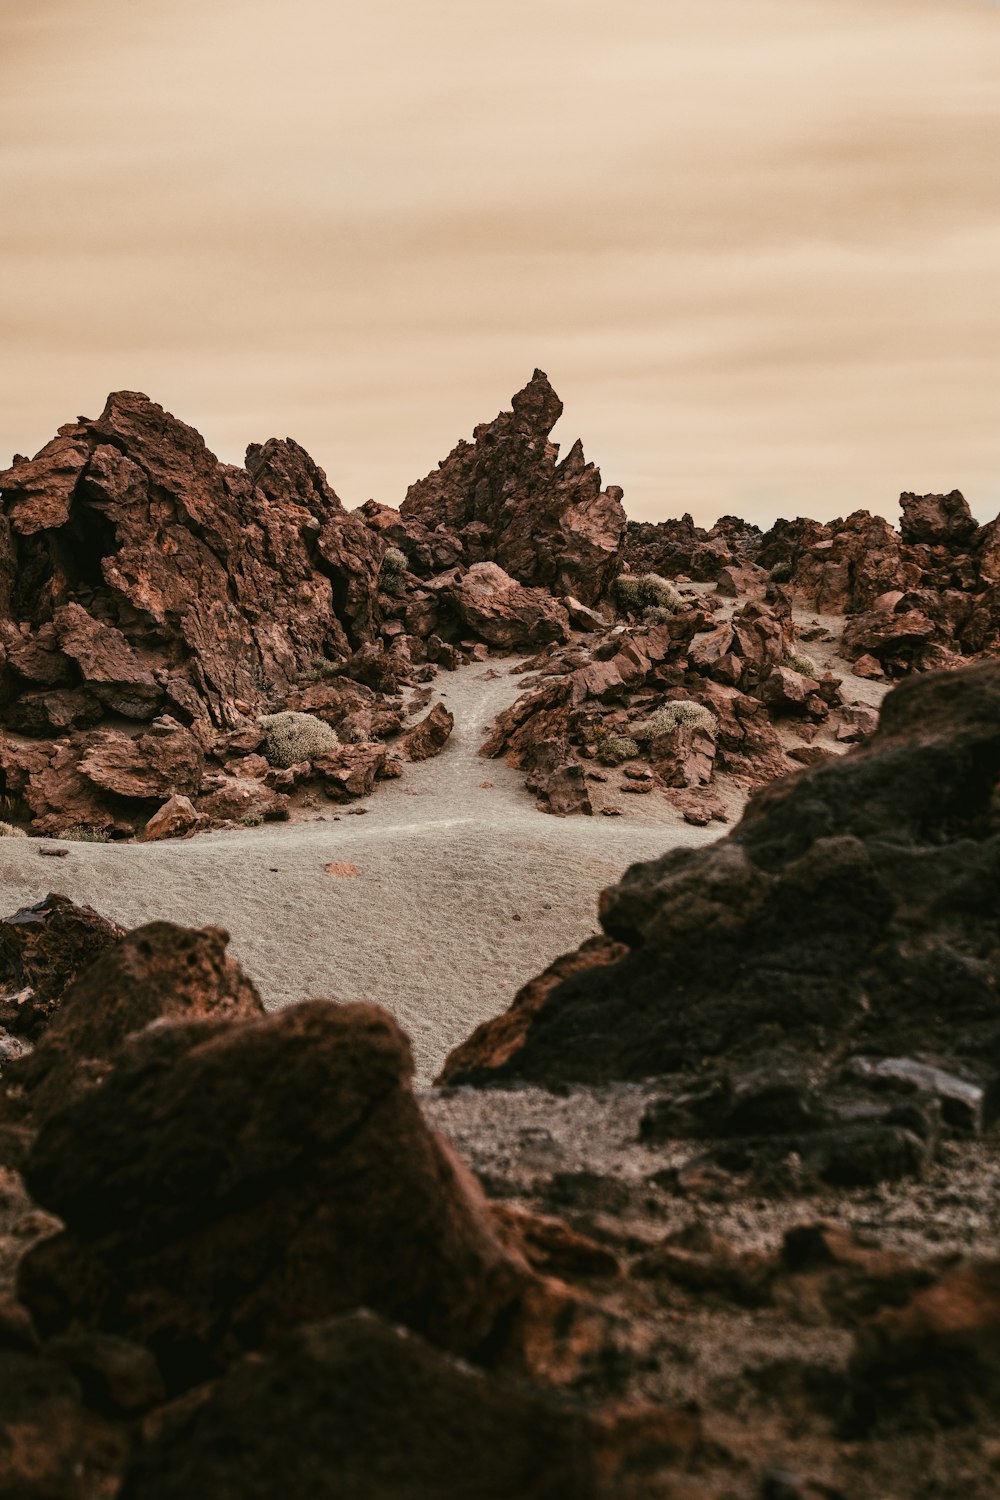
(506,498)
(144,580)
(845,915)
(263,1131)
(173,580)
(920,599)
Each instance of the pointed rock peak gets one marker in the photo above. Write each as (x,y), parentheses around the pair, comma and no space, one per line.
(537,405)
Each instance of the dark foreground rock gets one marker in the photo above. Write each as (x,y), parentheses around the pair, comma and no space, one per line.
(42,950)
(353,1407)
(264,1131)
(851,912)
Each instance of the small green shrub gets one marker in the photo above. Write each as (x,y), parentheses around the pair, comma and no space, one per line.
(667,718)
(11,831)
(394,563)
(781,572)
(85,833)
(657,614)
(294,737)
(638,591)
(617,747)
(799,662)
(251,820)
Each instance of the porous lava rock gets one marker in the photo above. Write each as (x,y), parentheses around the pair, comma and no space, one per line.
(228,1180)
(850,911)
(310,1419)
(506,498)
(154,973)
(43,948)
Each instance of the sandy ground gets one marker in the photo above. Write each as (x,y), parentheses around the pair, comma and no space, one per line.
(464,892)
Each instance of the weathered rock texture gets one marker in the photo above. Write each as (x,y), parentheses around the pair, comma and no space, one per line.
(354,1407)
(506,498)
(851,912)
(300,1181)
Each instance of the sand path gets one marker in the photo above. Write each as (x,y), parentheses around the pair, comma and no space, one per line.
(464,892)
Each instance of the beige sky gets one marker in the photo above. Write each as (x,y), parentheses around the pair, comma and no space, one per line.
(755,243)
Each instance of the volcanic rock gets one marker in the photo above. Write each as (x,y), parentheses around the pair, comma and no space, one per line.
(937,519)
(429,736)
(164,761)
(153,973)
(241,799)
(848,909)
(507,500)
(310,1419)
(176,819)
(43,949)
(504,612)
(141,548)
(936,1358)
(261,1133)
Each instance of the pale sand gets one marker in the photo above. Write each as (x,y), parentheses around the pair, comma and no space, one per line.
(428,927)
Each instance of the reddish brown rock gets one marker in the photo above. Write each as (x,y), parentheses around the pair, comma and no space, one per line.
(937,1358)
(786,691)
(684,757)
(164,761)
(937,519)
(561,790)
(43,949)
(154,973)
(241,1146)
(107,663)
(429,736)
(176,819)
(353,770)
(232,580)
(508,500)
(503,611)
(238,799)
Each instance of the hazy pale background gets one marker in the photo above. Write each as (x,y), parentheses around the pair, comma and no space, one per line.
(755,243)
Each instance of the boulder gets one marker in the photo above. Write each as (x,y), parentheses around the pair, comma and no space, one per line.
(239,799)
(210,1187)
(937,519)
(176,819)
(166,760)
(429,736)
(503,611)
(43,949)
(154,973)
(684,757)
(353,770)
